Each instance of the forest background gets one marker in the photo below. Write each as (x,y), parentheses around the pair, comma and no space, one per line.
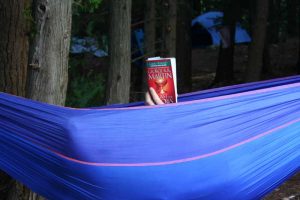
(86,53)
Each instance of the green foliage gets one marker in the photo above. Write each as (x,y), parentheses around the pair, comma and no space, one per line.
(209,5)
(86,5)
(86,92)
(90,28)
(84,89)
(90,19)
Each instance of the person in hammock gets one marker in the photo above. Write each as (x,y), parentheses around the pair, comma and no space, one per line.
(151,98)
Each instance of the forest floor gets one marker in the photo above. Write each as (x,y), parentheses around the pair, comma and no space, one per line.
(283,61)
(289,190)
(284,57)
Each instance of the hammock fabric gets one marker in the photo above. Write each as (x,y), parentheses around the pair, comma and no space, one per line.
(237,142)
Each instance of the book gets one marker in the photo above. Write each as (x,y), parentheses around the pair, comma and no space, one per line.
(161,75)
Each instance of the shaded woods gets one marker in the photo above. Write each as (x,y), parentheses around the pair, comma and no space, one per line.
(163,28)
(90,53)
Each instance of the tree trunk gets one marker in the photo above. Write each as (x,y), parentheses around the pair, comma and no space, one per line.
(14,43)
(184,45)
(169,14)
(298,63)
(225,67)
(197,7)
(48,64)
(150,34)
(118,86)
(275,20)
(150,28)
(254,69)
(52,33)
(292,17)
(267,70)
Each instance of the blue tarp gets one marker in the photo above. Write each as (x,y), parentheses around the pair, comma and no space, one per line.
(86,45)
(207,35)
(210,21)
(237,142)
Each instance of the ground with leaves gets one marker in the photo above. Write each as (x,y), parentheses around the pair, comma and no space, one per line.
(289,190)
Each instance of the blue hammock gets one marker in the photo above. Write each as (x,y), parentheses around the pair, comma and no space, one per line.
(237,142)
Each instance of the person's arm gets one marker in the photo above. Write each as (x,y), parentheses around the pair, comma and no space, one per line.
(151,98)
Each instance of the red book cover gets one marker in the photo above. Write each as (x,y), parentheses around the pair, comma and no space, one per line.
(161,74)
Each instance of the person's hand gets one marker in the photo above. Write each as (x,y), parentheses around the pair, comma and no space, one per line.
(151,98)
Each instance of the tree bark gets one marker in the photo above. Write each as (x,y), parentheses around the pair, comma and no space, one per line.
(197,6)
(150,35)
(275,20)
(292,17)
(254,68)
(225,67)
(298,63)
(169,14)
(14,44)
(118,85)
(150,28)
(48,63)
(184,45)
(267,70)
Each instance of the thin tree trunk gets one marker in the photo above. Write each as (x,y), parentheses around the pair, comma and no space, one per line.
(266,63)
(48,64)
(267,70)
(14,43)
(196,8)
(298,25)
(274,20)
(150,28)
(169,14)
(118,86)
(225,68)
(184,45)
(292,17)
(298,63)
(254,69)
(150,34)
